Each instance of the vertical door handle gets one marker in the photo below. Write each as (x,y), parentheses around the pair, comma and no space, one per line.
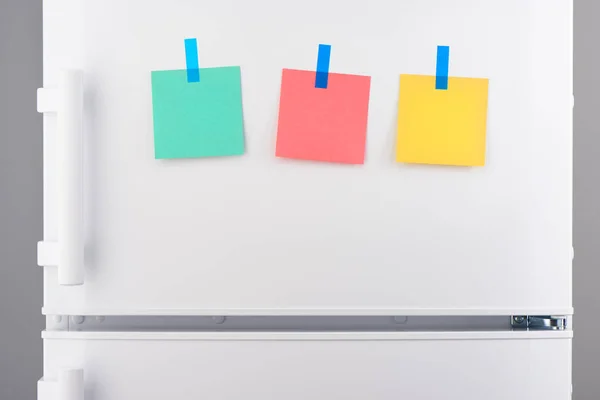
(70,384)
(67,102)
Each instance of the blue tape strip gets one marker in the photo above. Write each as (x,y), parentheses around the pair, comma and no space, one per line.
(441,74)
(322,77)
(191,59)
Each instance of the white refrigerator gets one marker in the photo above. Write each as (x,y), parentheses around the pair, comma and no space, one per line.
(255,276)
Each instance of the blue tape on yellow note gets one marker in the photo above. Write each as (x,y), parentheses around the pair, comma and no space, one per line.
(443,61)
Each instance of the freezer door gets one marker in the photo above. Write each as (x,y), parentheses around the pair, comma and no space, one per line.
(300,366)
(126,233)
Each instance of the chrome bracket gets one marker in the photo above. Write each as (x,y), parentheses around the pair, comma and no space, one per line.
(539,323)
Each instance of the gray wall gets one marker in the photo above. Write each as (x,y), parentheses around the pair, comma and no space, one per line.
(21,199)
(586,379)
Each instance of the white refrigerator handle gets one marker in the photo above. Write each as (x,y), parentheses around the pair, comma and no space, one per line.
(67,102)
(70,384)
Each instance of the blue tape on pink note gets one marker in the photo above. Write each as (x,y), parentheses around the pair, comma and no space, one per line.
(322,76)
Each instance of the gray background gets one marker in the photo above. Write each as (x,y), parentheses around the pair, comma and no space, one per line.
(21,199)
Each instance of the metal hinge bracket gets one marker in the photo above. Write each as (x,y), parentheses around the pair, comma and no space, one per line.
(540,323)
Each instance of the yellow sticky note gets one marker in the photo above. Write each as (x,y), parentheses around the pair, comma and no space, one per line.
(446,127)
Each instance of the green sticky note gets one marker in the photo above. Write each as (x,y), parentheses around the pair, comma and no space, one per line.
(198,119)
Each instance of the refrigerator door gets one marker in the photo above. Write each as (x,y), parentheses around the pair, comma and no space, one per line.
(299,366)
(128,234)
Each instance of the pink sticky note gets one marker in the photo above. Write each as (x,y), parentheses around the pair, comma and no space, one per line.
(323,124)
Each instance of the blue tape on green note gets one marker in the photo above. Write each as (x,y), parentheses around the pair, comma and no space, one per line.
(191,58)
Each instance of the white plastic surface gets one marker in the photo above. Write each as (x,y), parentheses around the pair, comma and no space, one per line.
(47,390)
(67,385)
(261,235)
(47,100)
(47,254)
(353,367)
